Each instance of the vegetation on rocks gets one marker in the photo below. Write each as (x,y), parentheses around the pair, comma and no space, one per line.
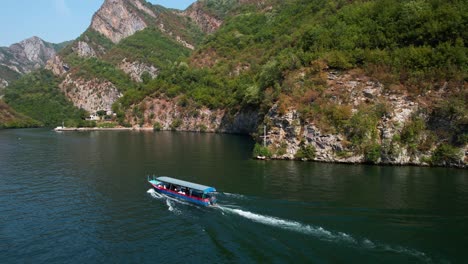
(261,151)
(148,46)
(305,152)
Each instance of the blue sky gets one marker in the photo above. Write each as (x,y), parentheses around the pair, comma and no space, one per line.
(54,20)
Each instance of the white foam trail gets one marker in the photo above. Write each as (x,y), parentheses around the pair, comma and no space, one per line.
(291,225)
(399,250)
(169,200)
(169,205)
(324,234)
(235,195)
(154,194)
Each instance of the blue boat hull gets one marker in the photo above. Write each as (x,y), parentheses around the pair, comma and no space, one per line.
(194,200)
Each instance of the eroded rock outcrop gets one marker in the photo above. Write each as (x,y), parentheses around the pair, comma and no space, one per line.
(57,66)
(171,114)
(116,21)
(3,83)
(90,95)
(207,22)
(83,49)
(288,133)
(136,69)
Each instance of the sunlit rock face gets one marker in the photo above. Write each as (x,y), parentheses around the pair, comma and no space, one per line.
(116,20)
(27,55)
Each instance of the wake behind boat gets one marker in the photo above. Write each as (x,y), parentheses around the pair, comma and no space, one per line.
(184,190)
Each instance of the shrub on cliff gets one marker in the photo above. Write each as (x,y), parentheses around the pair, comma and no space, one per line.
(372,153)
(446,155)
(176,124)
(157,126)
(306,152)
(260,150)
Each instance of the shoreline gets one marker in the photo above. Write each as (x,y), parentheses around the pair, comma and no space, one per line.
(71,129)
(260,158)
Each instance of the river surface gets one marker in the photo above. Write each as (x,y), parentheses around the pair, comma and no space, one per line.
(82,197)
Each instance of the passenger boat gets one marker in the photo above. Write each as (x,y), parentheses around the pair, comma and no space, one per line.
(184,190)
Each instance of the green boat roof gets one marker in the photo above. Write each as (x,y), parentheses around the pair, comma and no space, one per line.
(191,185)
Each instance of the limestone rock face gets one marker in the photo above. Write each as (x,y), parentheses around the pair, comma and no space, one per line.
(136,69)
(287,132)
(144,8)
(170,114)
(207,23)
(27,55)
(116,20)
(57,66)
(91,95)
(3,83)
(32,51)
(84,50)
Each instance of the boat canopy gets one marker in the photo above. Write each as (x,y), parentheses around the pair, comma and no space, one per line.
(191,185)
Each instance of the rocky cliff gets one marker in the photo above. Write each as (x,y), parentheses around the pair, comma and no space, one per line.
(115,19)
(23,57)
(91,95)
(207,22)
(137,69)
(291,136)
(175,114)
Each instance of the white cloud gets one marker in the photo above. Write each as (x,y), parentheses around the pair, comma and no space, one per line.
(61,8)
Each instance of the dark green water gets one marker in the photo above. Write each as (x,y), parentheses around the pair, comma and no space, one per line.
(83,198)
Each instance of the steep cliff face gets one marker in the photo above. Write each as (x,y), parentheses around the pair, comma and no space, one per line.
(83,49)
(289,134)
(57,66)
(90,95)
(208,23)
(173,114)
(136,70)
(24,57)
(116,21)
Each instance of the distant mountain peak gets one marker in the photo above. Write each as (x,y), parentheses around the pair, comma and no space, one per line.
(32,39)
(24,56)
(33,50)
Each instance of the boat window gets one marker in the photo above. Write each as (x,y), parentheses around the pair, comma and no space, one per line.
(196,193)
